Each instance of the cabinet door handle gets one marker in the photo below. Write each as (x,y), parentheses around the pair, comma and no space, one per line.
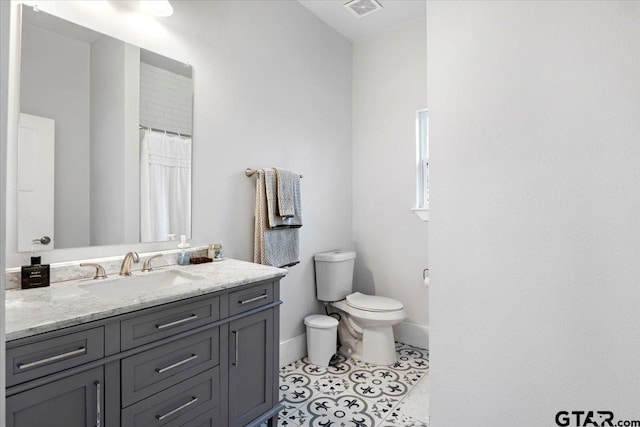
(235,360)
(179,408)
(98,398)
(175,365)
(254,299)
(55,358)
(178,322)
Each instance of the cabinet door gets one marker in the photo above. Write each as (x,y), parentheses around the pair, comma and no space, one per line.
(76,401)
(250,367)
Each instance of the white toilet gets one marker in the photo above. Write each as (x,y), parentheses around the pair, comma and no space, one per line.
(366,327)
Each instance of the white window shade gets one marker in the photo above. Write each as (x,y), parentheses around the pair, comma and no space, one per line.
(422,165)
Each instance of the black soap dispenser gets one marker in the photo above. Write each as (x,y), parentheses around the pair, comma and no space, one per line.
(35,275)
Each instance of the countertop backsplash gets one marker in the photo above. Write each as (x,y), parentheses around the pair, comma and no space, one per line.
(71,270)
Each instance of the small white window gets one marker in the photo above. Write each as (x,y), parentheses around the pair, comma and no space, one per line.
(422,164)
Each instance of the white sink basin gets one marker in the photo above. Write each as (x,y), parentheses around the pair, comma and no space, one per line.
(140,282)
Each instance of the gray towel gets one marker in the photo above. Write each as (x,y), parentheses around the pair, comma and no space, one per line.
(285,191)
(275,220)
(277,247)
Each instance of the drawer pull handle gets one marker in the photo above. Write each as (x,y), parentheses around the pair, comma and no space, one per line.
(254,299)
(98,398)
(179,408)
(178,322)
(175,365)
(55,358)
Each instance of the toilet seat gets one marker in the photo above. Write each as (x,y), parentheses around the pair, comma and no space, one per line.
(373,303)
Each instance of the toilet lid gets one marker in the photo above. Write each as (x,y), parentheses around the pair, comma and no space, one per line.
(372,302)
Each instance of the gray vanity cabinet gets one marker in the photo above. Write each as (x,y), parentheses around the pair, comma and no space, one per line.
(251,352)
(75,401)
(210,361)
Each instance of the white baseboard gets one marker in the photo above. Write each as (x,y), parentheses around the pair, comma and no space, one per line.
(293,349)
(412,334)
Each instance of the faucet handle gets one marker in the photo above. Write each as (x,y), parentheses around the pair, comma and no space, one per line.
(147,264)
(100,274)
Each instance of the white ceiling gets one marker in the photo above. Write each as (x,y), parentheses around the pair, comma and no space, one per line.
(333,12)
(393,13)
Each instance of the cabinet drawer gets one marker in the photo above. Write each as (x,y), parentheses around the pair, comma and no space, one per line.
(163,322)
(209,419)
(157,369)
(246,299)
(177,405)
(48,356)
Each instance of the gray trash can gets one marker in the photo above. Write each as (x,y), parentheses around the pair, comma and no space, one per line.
(321,338)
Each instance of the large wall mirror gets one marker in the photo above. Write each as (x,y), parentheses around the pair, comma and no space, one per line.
(104,139)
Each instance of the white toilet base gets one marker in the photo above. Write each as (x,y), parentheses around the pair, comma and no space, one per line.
(368,335)
(376,345)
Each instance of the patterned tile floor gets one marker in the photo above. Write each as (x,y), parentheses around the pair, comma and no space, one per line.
(356,394)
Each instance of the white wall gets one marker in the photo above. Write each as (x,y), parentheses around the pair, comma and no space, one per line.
(108,178)
(534,230)
(131,150)
(49,57)
(389,86)
(272,87)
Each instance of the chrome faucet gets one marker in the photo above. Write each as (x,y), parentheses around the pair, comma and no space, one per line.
(147,264)
(125,269)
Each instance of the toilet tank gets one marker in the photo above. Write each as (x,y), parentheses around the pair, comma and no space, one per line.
(334,275)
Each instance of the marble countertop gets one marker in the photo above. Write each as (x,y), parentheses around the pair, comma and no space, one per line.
(35,311)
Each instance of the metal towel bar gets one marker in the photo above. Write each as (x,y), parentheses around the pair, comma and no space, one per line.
(251,172)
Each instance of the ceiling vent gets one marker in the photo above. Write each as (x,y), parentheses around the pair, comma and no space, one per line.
(362,8)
